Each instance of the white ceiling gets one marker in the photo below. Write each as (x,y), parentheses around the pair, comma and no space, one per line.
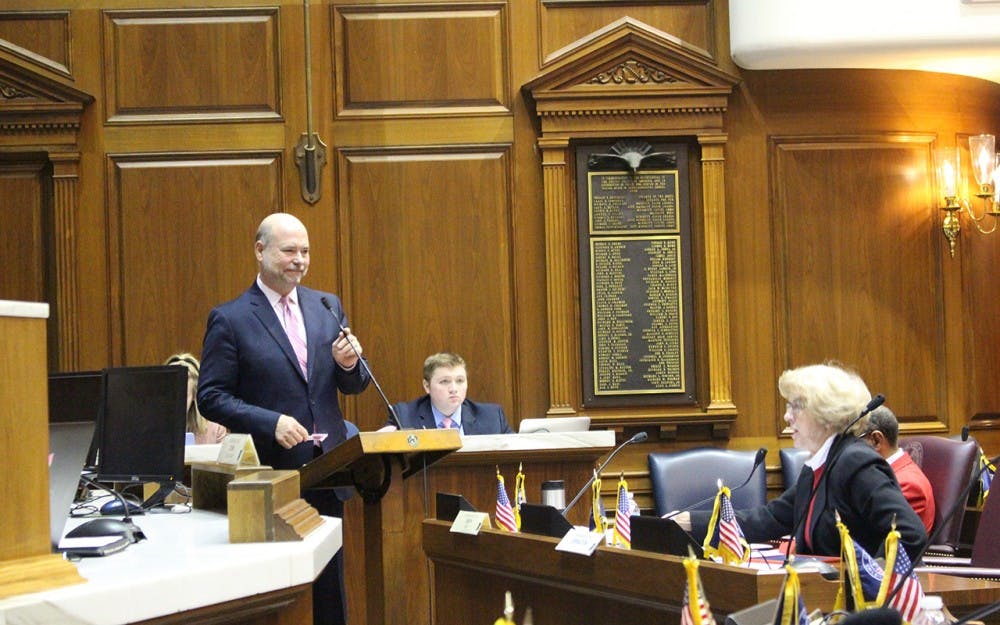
(953,36)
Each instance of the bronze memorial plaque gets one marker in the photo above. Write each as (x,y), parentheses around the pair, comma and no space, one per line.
(635,276)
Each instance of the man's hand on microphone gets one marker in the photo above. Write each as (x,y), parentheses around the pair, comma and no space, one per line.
(289,432)
(346,350)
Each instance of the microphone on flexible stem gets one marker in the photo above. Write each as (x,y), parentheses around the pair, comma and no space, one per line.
(938,528)
(638,438)
(364,363)
(835,450)
(757,461)
(135,533)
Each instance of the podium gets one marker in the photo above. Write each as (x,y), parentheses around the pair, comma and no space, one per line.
(27,563)
(376,465)
(393,577)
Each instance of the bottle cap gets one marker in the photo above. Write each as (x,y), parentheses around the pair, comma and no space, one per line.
(931,602)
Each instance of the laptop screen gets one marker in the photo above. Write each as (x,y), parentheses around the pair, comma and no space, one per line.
(554,424)
(68,446)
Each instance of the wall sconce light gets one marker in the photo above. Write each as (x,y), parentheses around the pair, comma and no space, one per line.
(985,163)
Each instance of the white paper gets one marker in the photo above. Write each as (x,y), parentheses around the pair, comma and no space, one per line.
(467,522)
(580,540)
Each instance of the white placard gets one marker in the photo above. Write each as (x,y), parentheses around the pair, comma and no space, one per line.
(467,522)
(580,540)
(232,448)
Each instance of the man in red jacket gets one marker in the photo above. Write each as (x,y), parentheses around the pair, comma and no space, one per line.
(882,433)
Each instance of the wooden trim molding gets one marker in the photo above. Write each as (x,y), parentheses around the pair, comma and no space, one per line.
(41,113)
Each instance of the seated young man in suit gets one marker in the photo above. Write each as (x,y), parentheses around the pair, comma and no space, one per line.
(445,405)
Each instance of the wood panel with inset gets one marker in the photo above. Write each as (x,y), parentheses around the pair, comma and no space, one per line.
(22,191)
(858,255)
(41,38)
(181,66)
(182,230)
(426,238)
(420,60)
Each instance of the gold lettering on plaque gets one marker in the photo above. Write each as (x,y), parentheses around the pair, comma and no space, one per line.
(624,203)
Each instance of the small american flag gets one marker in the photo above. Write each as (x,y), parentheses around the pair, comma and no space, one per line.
(729,530)
(907,600)
(504,513)
(623,521)
(725,538)
(699,613)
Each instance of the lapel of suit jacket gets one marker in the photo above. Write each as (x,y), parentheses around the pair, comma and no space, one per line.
(468,418)
(425,414)
(269,318)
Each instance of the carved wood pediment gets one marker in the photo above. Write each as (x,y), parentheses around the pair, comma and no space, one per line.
(631,68)
(36,103)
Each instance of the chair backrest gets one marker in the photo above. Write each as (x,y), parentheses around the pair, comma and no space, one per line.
(948,465)
(986,544)
(792,460)
(684,478)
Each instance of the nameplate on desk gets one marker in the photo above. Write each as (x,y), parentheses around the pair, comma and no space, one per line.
(467,522)
(580,540)
(237,449)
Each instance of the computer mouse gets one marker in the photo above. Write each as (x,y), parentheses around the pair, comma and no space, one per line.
(107,527)
(115,507)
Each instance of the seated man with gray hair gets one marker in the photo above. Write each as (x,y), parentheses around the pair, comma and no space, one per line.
(881,430)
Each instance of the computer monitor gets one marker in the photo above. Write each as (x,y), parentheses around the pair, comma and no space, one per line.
(77,397)
(141,430)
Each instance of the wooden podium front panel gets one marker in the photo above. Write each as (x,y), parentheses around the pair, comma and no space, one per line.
(24,438)
(471,474)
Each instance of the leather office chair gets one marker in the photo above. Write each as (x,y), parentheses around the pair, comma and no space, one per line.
(985,560)
(792,460)
(948,465)
(685,478)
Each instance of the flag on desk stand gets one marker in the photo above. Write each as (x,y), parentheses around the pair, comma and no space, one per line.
(860,575)
(504,513)
(508,611)
(907,600)
(791,608)
(986,473)
(623,519)
(695,609)
(597,521)
(725,536)
(519,496)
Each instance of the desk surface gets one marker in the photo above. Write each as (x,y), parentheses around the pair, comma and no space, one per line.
(186,562)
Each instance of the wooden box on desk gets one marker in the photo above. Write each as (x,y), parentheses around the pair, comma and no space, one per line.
(209,481)
(265,507)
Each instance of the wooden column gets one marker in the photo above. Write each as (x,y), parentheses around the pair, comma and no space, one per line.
(713,168)
(560,254)
(65,207)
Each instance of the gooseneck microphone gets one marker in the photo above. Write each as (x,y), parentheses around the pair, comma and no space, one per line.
(134,533)
(757,461)
(638,438)
(835,450)
(363,363)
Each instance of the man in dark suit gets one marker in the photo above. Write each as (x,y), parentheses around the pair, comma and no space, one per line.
(273,360)
(445,404)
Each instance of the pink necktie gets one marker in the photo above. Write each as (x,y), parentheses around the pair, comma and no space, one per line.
(446,423)
(294,331)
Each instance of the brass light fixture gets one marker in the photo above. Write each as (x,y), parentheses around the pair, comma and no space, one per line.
(985,162)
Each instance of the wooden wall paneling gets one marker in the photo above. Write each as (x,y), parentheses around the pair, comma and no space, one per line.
(413,59)
(23,210)
(179,66)
(39,37)
(858,255)
(561,22)
(181,232)
(425,240)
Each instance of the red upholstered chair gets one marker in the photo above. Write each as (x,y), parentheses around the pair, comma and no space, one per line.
(949,465)
(985,560)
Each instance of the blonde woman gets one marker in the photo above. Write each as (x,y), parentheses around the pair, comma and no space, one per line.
(204,431)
